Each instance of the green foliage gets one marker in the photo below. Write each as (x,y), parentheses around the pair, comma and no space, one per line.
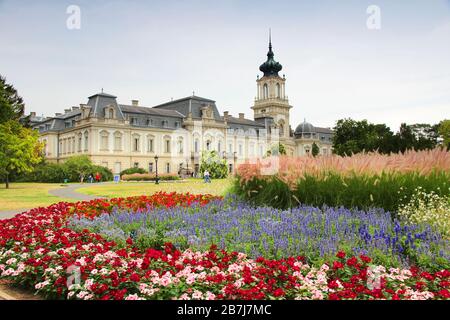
(76,166)
(19,149)
(216,166)
(444,132)
(276,150)
(315,149)
(149,177)
(71,170)
(132,171)
(351,136)
(387,191)
(427,208)
(11,104)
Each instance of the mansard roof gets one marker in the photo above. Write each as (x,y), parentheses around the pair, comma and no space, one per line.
(150,111)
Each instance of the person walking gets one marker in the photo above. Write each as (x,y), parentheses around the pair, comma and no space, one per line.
(91,178)
(82,177)
(97,177)
(206,177)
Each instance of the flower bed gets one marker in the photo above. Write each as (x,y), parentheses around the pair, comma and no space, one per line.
(272,233)
(37,248)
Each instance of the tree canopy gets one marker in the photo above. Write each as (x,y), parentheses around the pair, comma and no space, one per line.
(11,104)
(19,149)
(351,136)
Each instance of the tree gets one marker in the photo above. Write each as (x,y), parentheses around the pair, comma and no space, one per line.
(419,136)
(11,104)
(19,149)
(315,149)
(216,166)
(351,136)
(444,132)
(78,166)
(276,149)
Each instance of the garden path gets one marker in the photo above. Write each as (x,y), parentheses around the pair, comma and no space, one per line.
(68,192)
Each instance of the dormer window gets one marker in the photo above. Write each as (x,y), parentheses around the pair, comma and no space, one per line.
(111,113)
(149,122)
(165,123)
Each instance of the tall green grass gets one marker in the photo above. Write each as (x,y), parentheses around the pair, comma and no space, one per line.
(385,190)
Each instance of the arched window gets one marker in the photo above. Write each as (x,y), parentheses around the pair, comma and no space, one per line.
(180,145)
(118,141)
(278,90)
(111,113)
(104,137)
(196,146)
(265,91)
(281,129)
(80,142)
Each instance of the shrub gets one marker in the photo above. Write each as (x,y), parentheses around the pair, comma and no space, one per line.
(44,172)
(105,173)
(70,170)
(132,170)
(427,208)
(216,166)
(149,177)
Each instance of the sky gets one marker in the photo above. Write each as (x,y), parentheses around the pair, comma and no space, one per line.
(336,67)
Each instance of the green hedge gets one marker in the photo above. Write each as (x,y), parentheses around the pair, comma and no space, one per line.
(149,177)
(132,171)
(385,191)
(56,173)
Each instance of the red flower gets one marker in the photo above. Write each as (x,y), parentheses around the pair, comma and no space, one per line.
(135,277)
(365,259)
(278,292)
(340,255)
(337,265)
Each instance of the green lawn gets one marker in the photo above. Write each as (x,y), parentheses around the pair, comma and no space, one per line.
(127,189)
(27,195)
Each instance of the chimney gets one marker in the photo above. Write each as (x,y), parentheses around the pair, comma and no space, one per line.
(33,114)
(241,115)
(225,115)
(135,103)
(67,110)
(57,114)
(75,108)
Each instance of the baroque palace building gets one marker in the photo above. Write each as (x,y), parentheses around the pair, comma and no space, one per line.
(120,136)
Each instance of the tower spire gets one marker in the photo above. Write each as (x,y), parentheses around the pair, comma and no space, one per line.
(270,39)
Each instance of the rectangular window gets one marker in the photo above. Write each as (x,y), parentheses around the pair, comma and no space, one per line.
(150,167)
(230,148)
(136,164)
(167,167)
(150,145)
(167,146)
(136,144)
(240,149)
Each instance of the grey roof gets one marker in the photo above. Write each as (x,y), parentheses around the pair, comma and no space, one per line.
(150,111)
(102,94)
(305,127)
(324,130)
(247,122)
(191,104)
(69,114)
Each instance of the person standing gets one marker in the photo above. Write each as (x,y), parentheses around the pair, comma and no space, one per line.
(97,177)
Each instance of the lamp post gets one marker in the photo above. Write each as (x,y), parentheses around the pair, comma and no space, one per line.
(156,164)
(235,158)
